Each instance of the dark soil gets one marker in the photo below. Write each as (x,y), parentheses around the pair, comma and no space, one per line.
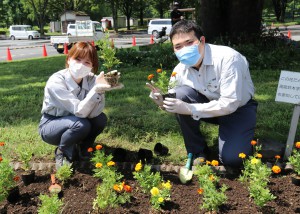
(79,192)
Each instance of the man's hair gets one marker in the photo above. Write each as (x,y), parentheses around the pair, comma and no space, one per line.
(186,26)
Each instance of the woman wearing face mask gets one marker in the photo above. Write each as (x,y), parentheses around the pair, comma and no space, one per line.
(72,112)
(214,85)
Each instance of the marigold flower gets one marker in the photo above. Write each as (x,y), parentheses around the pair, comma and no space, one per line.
(173,74)
(16,178)
(253,142)
(254,161)
(2,143)
(154,191)
(208,162)
(276,169)
(215,163)
(159,70)
(167,185)
(1,159)
(118,187)
(127,188)
(138,166)
(259,155)
(99,147)
(111,163)
(90,149)
(150,76)
(242,155)
(160,199)
(297,145)
(200,191)
(277,156)
(211,178)
(98,165)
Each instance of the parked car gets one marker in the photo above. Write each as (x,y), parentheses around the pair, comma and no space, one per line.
(156,25)
(23,32)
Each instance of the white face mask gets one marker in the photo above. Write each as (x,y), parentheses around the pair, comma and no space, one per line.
(78,70)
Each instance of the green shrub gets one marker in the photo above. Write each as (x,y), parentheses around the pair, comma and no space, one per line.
(50,204)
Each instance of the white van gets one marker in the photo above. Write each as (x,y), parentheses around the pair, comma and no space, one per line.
(71,30)
(156,25)
(23,32)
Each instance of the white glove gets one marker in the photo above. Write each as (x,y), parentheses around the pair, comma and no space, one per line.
(177,106)
(157,98)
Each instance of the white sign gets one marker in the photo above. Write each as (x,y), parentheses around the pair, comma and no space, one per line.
(288,89)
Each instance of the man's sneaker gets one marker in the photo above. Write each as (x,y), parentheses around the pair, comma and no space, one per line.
(60,159)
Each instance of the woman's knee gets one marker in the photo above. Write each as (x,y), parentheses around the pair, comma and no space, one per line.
(82,125)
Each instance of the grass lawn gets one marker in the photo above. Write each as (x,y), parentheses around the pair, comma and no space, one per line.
(134,120)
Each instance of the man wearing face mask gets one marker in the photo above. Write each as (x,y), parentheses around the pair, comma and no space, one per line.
(74,99)
(215,86)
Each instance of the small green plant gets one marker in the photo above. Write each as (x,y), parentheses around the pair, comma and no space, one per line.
(294,159)
(50,204)
(111,192)
(257,175)
(25,155)
(213,197)
(108,53)
(64,173)
(162,81)
(160,194)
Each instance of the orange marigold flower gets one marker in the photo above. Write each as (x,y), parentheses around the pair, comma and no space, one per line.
(242,155)
(215,163)
(99,147)
(150,76)
(253,142)
(276,169)
(16,178)
(259,155)
(277,156)
(111,163)
(173,74)
(159,70)
(200,191)
(118,187)
(297,145)
(98,165)
(2,143)
(127,188)
(90,149)
(1,159)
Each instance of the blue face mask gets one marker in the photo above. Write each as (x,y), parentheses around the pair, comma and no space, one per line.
(189,55)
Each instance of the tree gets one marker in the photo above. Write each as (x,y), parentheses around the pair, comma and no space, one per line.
(126,7)
(114,9)
(279,9)
(235,19)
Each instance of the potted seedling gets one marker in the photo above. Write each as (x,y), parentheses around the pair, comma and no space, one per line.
(294,159)
(25,155)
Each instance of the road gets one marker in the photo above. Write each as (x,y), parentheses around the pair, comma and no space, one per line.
(24,49)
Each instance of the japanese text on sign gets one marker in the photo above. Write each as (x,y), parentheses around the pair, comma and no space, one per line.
(288,89)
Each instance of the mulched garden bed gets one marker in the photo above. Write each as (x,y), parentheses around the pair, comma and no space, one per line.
(80,191)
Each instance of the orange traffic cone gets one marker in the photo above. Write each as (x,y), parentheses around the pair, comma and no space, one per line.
(44,51)
(289,34)
(133,41)
(66,48)
(112,44)
(151,40)
(9,58)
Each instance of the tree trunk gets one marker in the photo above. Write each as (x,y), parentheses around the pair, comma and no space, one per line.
(128,22)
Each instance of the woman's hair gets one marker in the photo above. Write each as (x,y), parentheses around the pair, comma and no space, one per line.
(83,50)
(186,26)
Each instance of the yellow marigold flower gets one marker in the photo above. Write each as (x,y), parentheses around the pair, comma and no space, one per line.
(160,199)
(154,191)
(159,70)
(98,165)
(2,143)
(211,178)
(200,191)
(207,162)
(90,149)
(297,145)
(111,163)
(215,163)
(173,74)
(150,76)
(253,142)
(99,147)
(167,185)
(138,166)
(242,155)
(259,155)
(277,156)
(254,161)
(118,187)
(276,169)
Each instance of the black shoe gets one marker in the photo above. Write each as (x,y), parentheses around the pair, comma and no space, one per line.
(60,159)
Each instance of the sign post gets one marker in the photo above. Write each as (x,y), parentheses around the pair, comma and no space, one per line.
(288,91)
